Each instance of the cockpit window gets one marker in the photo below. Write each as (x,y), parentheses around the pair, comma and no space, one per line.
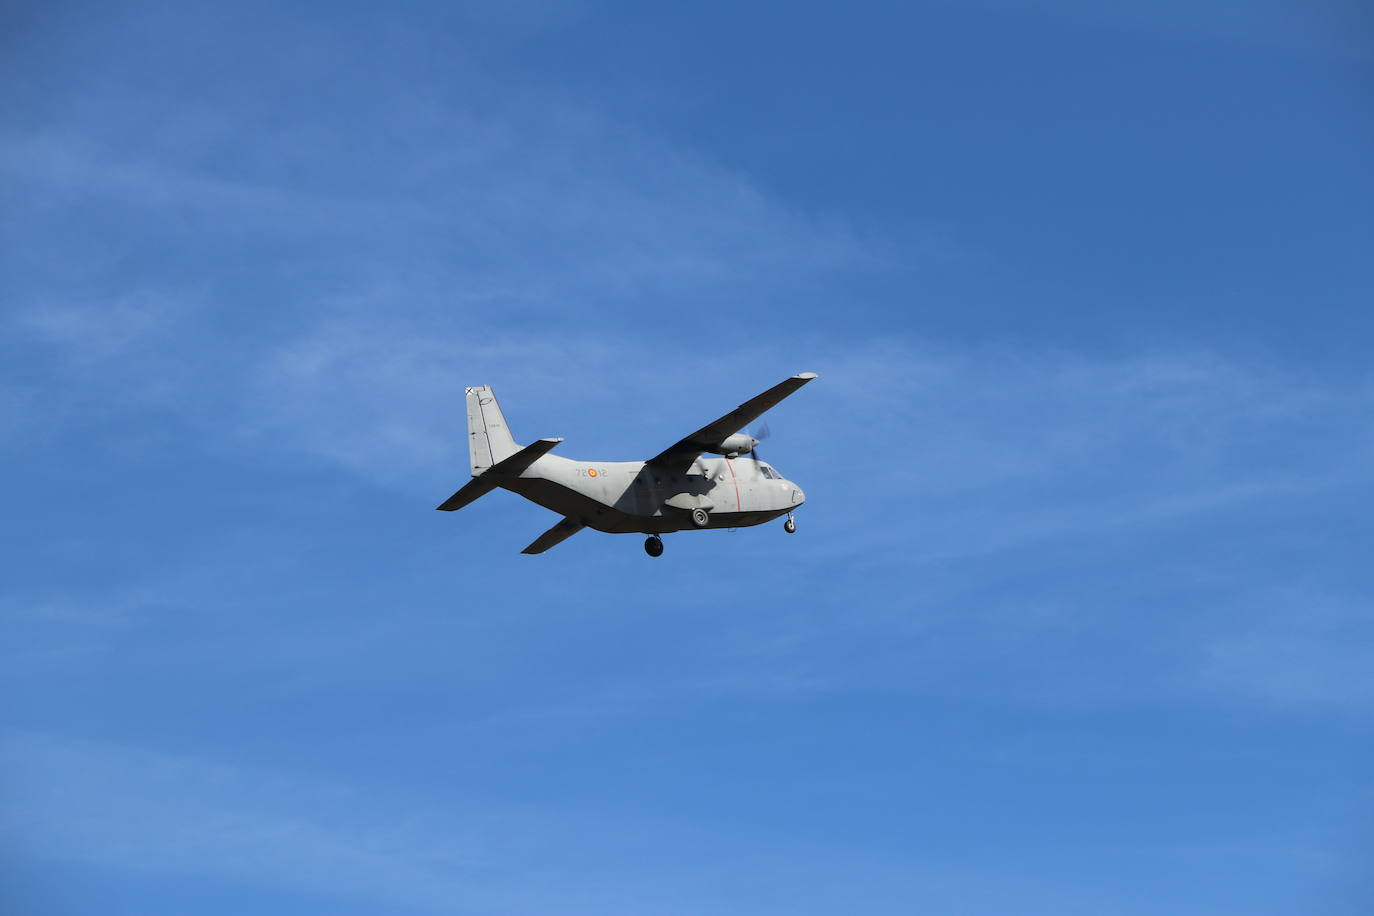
(770,473)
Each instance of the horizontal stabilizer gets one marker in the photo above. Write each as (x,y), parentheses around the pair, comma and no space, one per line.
(474,488)
(559,533)
(515,464)
(489,479)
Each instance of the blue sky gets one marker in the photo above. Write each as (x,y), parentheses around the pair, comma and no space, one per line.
(1078,618)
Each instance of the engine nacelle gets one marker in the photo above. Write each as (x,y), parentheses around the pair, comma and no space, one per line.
(736,445)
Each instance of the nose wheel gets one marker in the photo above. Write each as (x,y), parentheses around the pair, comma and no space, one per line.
(653,545)
(790,526)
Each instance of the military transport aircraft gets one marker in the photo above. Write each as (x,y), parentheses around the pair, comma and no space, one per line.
(675,490)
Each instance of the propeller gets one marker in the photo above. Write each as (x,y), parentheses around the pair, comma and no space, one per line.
(759,433)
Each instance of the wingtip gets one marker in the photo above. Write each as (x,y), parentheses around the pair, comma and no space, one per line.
(806,375)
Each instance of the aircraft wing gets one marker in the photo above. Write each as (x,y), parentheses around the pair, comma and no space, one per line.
(679,456)
(559,533)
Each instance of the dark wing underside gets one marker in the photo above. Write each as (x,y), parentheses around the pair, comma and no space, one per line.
(559,533)
(679,456)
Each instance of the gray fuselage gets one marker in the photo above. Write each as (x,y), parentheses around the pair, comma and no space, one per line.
(634,496)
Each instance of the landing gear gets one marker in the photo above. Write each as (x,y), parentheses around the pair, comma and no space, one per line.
(790,526)
(700,518)
(653,545)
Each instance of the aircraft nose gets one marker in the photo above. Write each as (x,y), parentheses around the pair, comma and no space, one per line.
(798,497)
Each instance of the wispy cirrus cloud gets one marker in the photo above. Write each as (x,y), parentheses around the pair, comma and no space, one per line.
(150,811)
(988,466)
(164,815)
(1294,648)
(250,257)
(222,260)
(993,460)
(539,203)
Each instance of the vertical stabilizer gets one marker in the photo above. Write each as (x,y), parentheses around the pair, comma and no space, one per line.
(489,439)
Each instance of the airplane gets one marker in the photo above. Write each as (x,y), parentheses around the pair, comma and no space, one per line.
(676,490)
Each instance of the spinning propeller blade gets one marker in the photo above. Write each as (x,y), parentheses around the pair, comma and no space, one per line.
(759,433)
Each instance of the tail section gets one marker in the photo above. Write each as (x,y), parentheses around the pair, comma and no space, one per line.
(495,456)
(489,439)
(504,469)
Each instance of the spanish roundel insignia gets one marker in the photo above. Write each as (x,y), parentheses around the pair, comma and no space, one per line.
(591,472)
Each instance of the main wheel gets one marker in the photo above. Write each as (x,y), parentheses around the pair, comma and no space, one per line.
(790,526)
(700,518)
(653,545)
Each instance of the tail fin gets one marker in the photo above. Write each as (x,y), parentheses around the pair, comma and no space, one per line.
(489,439)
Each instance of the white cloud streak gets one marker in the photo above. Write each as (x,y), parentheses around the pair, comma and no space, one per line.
(160,814)
(1296,649)
(144,810)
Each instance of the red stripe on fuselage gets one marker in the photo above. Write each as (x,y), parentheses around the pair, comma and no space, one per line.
(739,506)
